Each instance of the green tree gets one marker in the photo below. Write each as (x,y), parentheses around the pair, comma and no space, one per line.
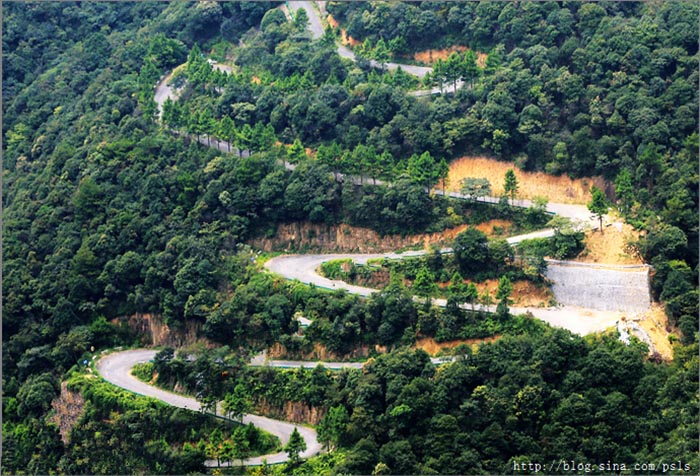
(471,250)
(474,187)
(228,451)
(457,288)
(237,403)
(433,259)
(296,152)
(244,139)
(598,205)
(438,75)
(664,242)
(240,443)
(36,393)
(421,169)
(442,171)
(470,70)
(301,19)
(624,189)
(397,45)
(505,288)
(424,285)
(294,447)
(510,185)
(214,446)
(472,294)
(453,69)
(381,53)
(332,426)
(227,131)
(494,59)
(501,253)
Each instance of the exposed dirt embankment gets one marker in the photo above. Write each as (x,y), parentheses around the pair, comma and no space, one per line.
(525,293)
(612,246)
(556,189)
(319,352)
(312,237)
(344,37)
(69,408)
(655,323)
(431,56)
(156,332)
(433,348)
(296,412)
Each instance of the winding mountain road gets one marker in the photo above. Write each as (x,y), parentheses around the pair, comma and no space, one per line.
(316,28)
(578,320)
(116,369)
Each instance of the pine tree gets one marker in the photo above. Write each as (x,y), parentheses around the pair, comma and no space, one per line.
(624,190)
(236,404)
(424,285)
(227,130)
(457,288)
(296,152)
(381,53)
(598,205)
(295,446)
(453,69)
(470,70)
(505,287)
(167,113)
(510,185)
(442,170)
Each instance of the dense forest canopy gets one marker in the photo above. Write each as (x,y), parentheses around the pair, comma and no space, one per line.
(107,213)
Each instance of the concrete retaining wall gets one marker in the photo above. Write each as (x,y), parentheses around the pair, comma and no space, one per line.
(600,287)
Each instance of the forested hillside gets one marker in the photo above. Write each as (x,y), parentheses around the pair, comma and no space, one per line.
(109,212)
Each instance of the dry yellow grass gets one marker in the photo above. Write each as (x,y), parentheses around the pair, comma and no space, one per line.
(655,323)
(610,247)
(429,345)
(525,293)
(488,227)
(556,189)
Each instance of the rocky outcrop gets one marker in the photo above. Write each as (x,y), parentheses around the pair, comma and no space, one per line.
(304,236)
(319,352)
(68,407)
(296,412)
(156,332)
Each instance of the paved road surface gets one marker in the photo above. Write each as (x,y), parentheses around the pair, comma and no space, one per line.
(116,369)
(315,26)
(304,268)
(316,29)
(163,92)
(260,360)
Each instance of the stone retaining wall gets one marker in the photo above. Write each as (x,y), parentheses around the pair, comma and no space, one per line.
(600,287)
